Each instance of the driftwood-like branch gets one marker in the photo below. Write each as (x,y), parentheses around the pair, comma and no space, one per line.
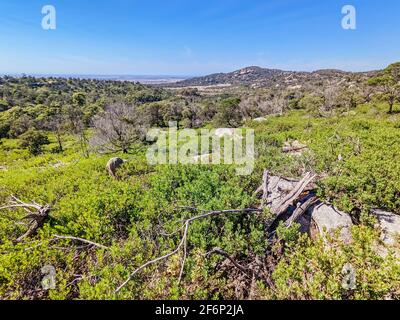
(293,195)
(293,147)
(281,208)
(300,210)
(56,237)
(35,219)
(279,197)
(183,243)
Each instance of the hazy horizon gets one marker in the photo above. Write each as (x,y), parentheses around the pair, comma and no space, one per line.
(157,76)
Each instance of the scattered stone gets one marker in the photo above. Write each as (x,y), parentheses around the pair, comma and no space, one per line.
(390,225)
(58,164)
(326,218)
(113,164)
(222,132)
(261,119)
(319,218)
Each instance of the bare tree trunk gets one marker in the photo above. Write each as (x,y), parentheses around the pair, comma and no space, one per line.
(59,141)
(391,107)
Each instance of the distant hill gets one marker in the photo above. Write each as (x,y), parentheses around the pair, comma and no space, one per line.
(263,77)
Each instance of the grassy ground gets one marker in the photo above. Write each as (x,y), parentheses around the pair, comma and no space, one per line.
(134,215)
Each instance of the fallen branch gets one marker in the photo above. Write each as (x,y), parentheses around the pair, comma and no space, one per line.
(35,219)
(56,237)
(300,210)
(183,243)
(293,195)
(294,146)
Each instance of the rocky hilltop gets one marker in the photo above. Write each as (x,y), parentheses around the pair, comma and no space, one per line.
(263,77)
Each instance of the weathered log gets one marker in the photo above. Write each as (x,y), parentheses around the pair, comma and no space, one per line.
(279,187)
(315,217)
(288,200)
(301,210)
(264,189)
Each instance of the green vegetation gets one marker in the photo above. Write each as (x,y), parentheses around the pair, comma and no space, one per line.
(34,141)
(48,154)
(311,270)
(388,82)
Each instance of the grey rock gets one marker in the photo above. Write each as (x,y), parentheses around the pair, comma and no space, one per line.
(113,164)
(328,219)
(319,219)
(390,225)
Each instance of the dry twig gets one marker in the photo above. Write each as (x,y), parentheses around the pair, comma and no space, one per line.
(183,243)
(56,237)
(35,219)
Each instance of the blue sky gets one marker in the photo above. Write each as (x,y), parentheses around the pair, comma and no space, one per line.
(190,37)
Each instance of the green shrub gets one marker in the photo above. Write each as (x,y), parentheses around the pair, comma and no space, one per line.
(315,270)
(34,141)
(138,217)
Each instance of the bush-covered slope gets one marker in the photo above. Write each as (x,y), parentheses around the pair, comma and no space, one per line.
(137,218)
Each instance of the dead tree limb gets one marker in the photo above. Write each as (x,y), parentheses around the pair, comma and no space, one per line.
(184,239)
(293,195)
(56,237)
(300,210)
(35,219)
(183,243)
(281,208)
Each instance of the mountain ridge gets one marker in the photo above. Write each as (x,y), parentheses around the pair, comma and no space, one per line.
(266,77)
